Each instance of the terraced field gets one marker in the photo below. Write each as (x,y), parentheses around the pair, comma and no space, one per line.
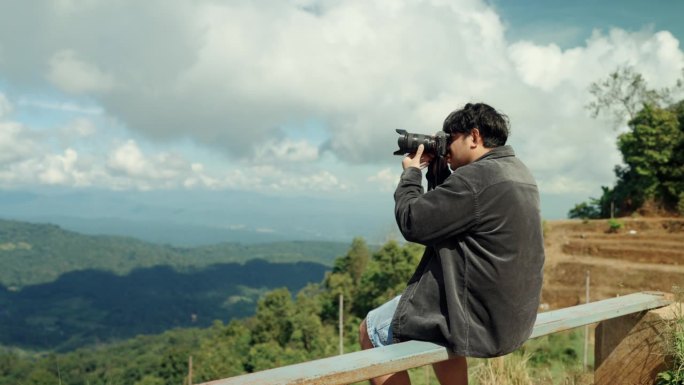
(645,254)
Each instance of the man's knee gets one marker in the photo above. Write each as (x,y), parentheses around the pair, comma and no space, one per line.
(364,339)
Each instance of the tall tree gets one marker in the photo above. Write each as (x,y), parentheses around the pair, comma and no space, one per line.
(355,261)
(652,149)
(345,278)
(623,93)
(653,170)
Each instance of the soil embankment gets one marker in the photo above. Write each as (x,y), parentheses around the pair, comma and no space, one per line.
(645,254)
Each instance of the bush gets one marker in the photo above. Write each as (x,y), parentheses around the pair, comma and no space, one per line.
(614,225)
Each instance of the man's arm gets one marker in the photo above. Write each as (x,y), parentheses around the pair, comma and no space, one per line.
(447,210)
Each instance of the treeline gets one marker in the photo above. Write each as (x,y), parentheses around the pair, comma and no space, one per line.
(39,253)
(651,180)
(283,331)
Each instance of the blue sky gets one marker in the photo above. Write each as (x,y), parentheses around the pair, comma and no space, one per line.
(293,104)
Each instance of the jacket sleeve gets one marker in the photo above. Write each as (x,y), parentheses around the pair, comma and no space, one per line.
(446,211)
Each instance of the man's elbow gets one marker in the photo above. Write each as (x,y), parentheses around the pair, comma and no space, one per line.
(412,238)
(410,228)
(412,235)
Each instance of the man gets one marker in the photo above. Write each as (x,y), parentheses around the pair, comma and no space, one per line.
(477,287)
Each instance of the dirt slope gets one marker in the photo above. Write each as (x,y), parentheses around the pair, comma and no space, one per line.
(645,254)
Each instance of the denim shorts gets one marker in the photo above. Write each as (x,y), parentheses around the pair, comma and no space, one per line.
(379,322)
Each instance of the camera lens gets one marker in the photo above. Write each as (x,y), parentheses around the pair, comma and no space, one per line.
(409,142)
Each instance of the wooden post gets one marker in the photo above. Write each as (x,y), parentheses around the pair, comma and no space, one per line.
(341,322)
(631,349)
(586,328)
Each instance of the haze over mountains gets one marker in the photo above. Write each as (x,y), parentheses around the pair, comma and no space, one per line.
(203,217)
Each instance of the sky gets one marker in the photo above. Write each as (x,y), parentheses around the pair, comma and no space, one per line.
(278,118)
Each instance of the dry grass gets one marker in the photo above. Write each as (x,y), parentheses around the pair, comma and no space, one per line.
(508,370)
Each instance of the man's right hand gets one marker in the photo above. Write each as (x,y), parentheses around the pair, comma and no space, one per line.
(417,159)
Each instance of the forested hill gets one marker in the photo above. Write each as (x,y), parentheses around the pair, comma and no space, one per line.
(90,306)
(39,253)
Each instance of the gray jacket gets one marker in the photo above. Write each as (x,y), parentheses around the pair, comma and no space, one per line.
(476,289)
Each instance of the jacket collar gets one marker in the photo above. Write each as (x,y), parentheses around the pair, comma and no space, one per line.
(497,152)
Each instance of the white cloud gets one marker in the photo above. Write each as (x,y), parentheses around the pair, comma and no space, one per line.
(548,67)
(387,179)
(50,157)
(65,169)
(61,106)
(74,75)
(286,151)
(129,167)
(5,106)
(61,169)
(561,184)
(16,143)
(229,74)
(79,127)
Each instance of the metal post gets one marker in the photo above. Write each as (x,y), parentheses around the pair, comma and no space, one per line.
(59,374)
(341,323)
(586,328)
(190,370)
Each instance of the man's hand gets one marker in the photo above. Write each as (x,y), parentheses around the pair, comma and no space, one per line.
(417,159)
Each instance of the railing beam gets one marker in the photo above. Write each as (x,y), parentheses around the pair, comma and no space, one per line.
(359,366)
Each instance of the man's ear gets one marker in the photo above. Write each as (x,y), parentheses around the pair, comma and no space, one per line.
(477,138)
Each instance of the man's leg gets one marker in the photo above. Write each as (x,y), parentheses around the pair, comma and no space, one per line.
(453,371)
(400,378)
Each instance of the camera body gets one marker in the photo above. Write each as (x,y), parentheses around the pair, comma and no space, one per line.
(408,143)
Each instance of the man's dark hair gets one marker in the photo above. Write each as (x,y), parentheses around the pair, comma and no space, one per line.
(493,126)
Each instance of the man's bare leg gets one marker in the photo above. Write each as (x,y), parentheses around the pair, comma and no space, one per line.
(453,371)
(399,378)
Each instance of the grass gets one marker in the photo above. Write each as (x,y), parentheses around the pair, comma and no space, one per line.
(674,345)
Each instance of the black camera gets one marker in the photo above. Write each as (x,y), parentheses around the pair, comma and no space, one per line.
(409,142)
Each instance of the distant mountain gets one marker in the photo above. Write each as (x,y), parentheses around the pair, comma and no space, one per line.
(61,290)
(39,253)
(87,307)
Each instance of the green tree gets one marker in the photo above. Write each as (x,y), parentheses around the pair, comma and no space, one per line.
(41,376)
(586,210)
(345,279)
(652,149)
(387,275)
(355,261)
(173,368)
(653,167)
(306,320)
(222,351)
(274,317)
